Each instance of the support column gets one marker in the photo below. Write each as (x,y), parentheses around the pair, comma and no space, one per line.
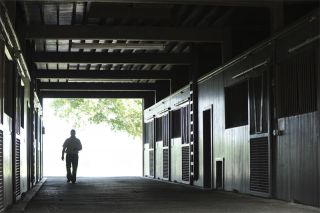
(163,89)
(276,16)
(148,101)
(181,78)
(226,47)
(30,124)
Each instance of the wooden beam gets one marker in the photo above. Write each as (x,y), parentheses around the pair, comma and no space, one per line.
(245,3)
(277,16)
(96,94)
(111,74)
(143,33)
(111,58)
(129,11)
(45,86)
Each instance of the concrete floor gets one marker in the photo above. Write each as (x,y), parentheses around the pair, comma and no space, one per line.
(134,194)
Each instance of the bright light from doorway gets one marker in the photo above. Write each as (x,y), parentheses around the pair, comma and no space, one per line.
(105,152)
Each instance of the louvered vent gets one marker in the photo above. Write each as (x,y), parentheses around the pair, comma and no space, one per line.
(1,173)
(259,165)
(185,163)
(151,163)
(165,163)
(17,168)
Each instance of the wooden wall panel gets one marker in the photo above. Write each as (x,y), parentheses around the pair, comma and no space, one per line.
(297,159)
(24,138)
(7,161)
(237,159)
(296,149)
(295,154)
(231,144)
(206,98)
(146,159)
(159,160)
(318,132)
(171,102)
(211,92)
(176,160)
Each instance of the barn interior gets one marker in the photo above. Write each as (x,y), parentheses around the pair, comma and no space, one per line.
(230,92)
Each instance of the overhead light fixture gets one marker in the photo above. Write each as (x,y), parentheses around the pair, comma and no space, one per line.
(141,46)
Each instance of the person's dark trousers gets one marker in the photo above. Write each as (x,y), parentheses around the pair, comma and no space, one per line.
(72,160)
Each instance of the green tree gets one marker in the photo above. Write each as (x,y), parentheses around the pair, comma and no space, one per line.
(120,114)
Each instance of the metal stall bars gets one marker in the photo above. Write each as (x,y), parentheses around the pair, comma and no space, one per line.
(193,132)
(185,141)
(166,142)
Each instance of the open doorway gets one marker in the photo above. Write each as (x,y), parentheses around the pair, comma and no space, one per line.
(106,152)
(207,147)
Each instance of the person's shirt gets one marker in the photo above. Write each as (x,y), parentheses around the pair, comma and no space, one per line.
(72,145)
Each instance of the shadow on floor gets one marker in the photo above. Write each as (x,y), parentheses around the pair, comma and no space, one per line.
(136,194)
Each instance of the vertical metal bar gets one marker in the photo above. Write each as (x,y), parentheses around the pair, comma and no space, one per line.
(154,147)
(1,173)
(254,104)
(261,102)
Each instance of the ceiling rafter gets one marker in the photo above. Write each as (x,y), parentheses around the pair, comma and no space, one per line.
(76,86)
(97,94)
(111,58)
(141,33)
(110,74)
(129,11)
(243,3)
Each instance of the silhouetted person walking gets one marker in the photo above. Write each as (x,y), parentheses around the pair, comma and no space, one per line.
(71,146)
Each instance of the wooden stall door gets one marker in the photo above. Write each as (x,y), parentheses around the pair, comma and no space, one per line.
(207,148)
(260,140)
(297,141)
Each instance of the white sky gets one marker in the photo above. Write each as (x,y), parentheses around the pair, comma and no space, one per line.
(104,153)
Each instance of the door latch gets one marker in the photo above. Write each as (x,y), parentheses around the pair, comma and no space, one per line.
(277,132)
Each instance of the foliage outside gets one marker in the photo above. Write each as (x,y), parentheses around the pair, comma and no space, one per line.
(120,114)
